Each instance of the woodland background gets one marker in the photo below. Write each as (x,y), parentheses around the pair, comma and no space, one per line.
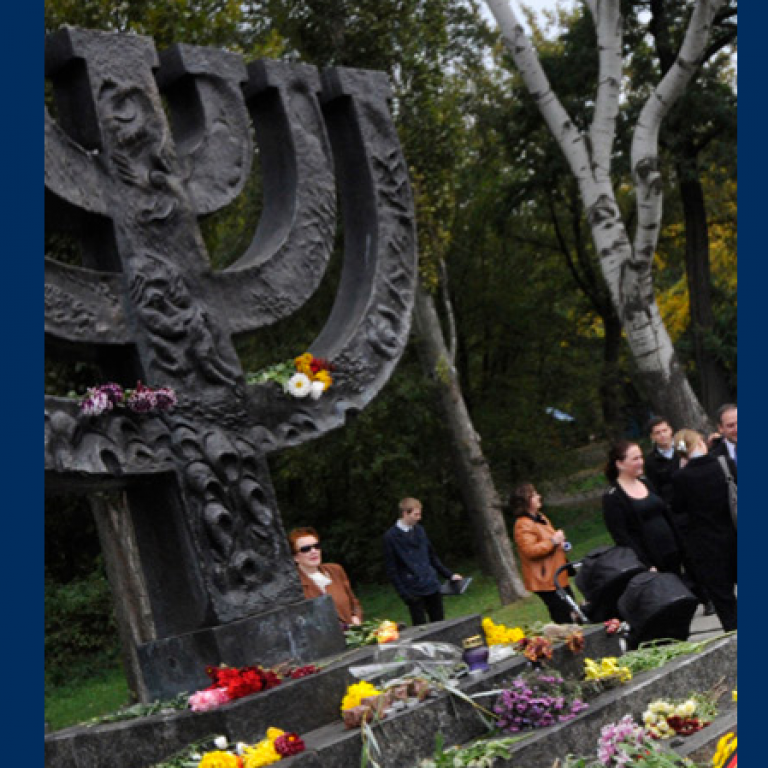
(502,241)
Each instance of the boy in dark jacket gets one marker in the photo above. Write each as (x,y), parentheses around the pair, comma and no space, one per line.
(413,566)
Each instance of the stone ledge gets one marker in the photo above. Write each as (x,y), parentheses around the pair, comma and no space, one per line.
(141,742)
(677,679)
(409,736)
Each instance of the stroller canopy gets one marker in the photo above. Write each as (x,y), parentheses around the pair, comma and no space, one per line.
(603,575)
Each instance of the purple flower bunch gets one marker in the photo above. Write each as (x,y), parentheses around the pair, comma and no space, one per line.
(537,701)
(616,739)
(143,399)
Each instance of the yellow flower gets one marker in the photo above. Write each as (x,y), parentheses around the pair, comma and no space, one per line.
(608,668)
(274,733)
(302,363)
(498,634)
(357,692)
(218,760)
(324,377)
(725,748)
(264,753)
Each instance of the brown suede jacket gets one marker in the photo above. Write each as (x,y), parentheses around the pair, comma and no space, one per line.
(539,557)
(347,605)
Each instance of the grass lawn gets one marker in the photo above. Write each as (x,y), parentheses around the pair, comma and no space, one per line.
(84,698)
(106,691)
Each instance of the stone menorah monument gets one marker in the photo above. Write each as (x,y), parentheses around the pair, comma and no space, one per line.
(130,182)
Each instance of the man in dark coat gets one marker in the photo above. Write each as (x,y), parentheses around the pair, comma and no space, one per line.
(413,566)
(727,425)
(701,494)
(662,461)
(661,464)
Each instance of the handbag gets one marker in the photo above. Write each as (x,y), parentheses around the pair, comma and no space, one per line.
(732,489)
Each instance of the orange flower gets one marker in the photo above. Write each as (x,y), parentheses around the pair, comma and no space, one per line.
(387,632)
(303,364)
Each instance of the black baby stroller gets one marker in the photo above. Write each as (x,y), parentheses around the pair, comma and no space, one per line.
(602,576)
(615,584)
(657,606)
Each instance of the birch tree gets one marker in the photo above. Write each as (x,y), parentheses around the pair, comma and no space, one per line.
(626,262)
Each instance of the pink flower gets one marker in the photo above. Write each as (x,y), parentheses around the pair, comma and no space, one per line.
(165,399)
(142,399)
(96,402)
(208,699)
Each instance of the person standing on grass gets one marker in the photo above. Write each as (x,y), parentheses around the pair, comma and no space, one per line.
(413,567)
(541,550)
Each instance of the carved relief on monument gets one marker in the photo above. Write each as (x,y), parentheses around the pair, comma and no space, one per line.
(175,316)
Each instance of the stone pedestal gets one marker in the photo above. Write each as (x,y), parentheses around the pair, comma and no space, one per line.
(302,632)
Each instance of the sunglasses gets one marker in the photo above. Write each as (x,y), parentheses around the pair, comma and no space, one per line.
(309,548)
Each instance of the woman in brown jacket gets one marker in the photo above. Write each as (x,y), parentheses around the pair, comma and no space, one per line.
(318,579)
(541,550)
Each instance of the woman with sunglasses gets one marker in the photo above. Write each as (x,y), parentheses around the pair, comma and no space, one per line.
(323,579)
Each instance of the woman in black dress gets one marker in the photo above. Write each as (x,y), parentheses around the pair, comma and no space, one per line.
(634,515)
(700,494)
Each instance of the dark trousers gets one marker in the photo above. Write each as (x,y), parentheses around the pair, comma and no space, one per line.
(720,583)
(559,610)
(422,606)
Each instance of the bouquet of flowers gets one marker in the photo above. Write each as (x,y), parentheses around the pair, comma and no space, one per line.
(276,745)
(606,670)
(143,399)
(625,743)
(304,376)
(664,718)
(231,683)
(371,632)
(537,701)
(498,634)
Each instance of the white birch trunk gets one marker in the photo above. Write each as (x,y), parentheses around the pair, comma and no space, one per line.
(475,481)
(626,266)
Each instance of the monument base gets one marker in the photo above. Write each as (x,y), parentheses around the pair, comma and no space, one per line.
(301,633)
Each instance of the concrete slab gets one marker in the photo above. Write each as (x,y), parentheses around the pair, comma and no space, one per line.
(703,627)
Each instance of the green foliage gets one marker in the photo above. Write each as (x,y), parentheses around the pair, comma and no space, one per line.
(480,754)
(80,630)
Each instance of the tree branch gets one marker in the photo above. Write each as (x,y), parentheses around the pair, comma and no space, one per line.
(565,132)
(644,153)
(602,132)
(449,315)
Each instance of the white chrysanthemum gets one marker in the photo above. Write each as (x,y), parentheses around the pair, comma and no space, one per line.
(299,385)
(220,742)
(316,388)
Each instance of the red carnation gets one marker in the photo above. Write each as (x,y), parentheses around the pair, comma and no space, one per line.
(612,626)
(320,364)
(289,744)
(299,672)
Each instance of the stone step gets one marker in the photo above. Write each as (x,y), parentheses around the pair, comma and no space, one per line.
(141,742)
(407,737)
